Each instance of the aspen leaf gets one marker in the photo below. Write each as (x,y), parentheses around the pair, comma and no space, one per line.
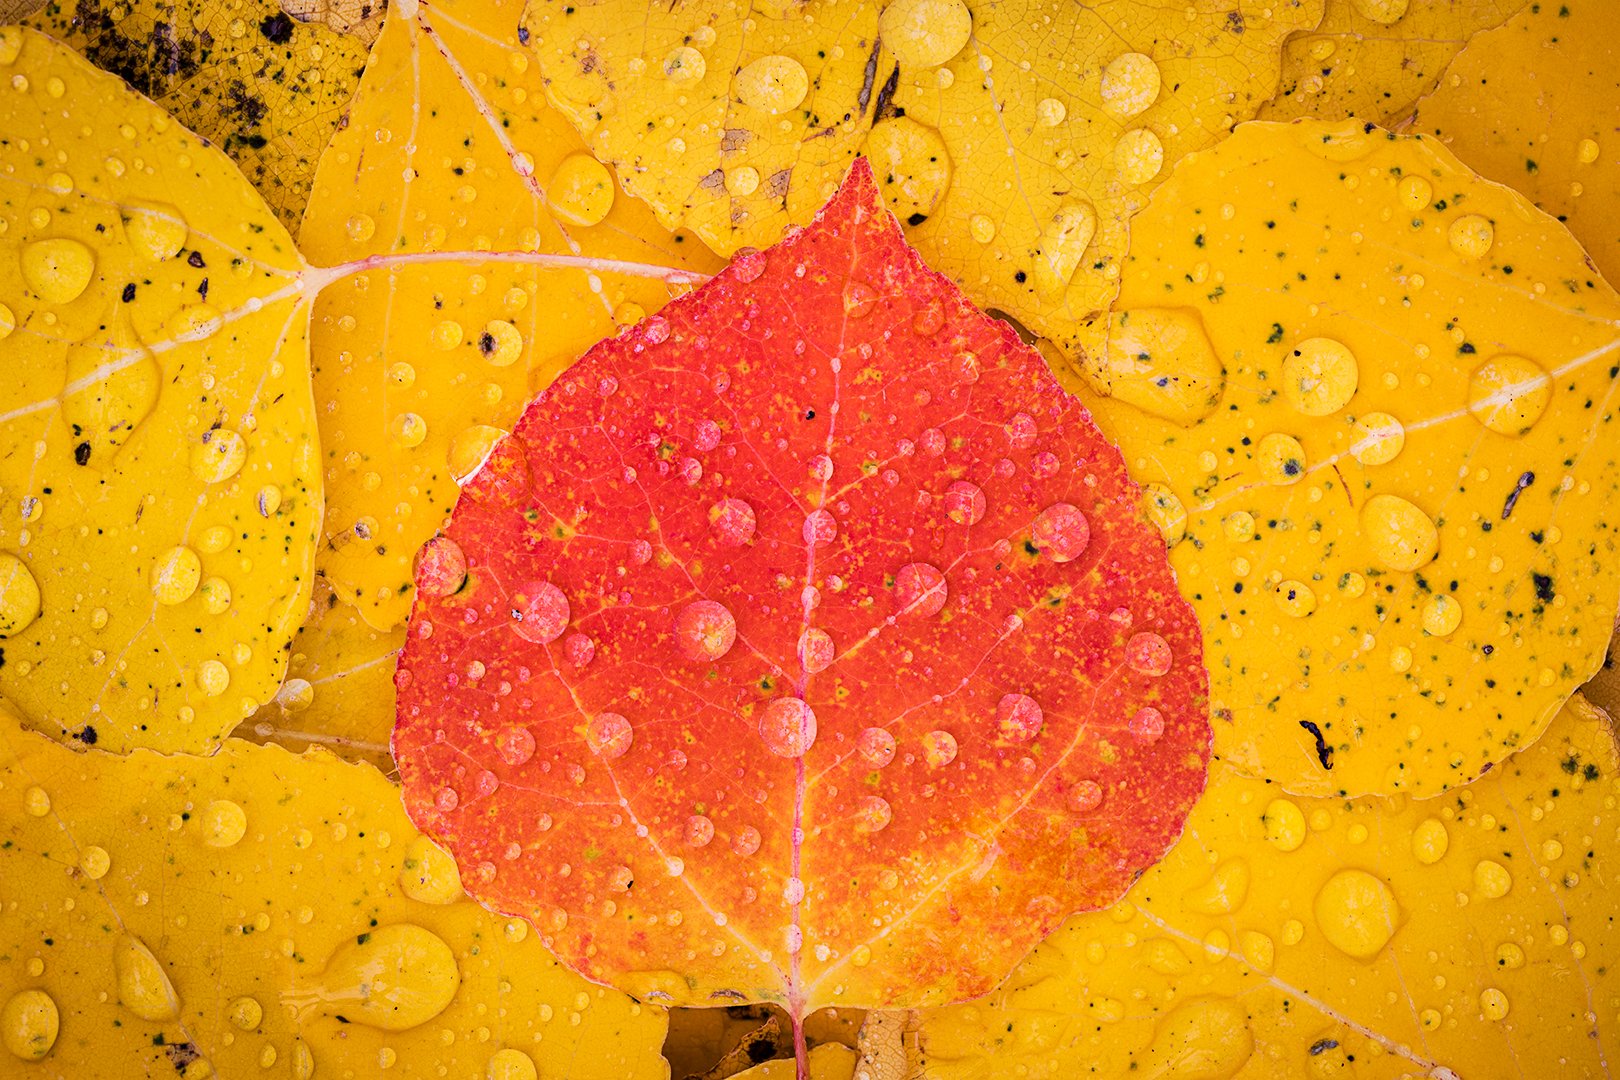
(1373,396)
(486,249)
(1373,59)
(1531,105)
(1466,935)
(255,911)
(157,433)
(262,85)
(811,647)
(339,690)
(1015,139)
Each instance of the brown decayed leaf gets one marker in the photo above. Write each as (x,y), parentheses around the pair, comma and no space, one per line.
(267,89)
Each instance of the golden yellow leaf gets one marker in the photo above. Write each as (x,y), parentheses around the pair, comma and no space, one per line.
(1533,105)
(1465,936)
(265,87)
(261,913)
(157,434)
(339,691)
(1373,397)
(1015,139)
(827,1062)
(506,254)
(1372,59)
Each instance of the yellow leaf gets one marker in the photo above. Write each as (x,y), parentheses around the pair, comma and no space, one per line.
(1469,935)
(1014,139)
(266,88)
(1372,59)
(257,911)
(1385,411)
(487,251)
(339,691)
(361,19)
(1532,105)
(157,434)
(827,1062)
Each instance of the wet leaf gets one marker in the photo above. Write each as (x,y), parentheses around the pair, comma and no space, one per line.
(250,911)
(504,256)
(157,434)
(339,691)
(1373,59)
(1531,105)
(802,623)
(1015,139)
(1371,397)
(266,88)
(360,19)
(1468,935)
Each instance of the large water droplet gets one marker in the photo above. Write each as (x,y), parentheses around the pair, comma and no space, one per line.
(609,735)
(820,528)
(1202,1039)
(1379,439)
(1161,361)
(428,874)
(1064,240)
(175,575)
(787,726)
(1509,393)
(510,1064)
(1356,913)
(732,521)
(540,613)
(816,650)
(912,163)
(218,455)
(772,84)
(1319,376)
(919,590)
(1130,83)
(873,814)
(222,824)
(441,567)
(925,33)
(1061,532)
(581,190)
(939,748)
(29,1023)
(1471,236)
(964,502)
(1399,535)
(57,270)
(143,986)
(392,978)
(705,631)
(19,596)
(1148,654)
(876,747)
(1018,717)
(155,230)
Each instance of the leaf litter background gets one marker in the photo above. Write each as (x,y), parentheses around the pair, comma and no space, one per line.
(1214,1026)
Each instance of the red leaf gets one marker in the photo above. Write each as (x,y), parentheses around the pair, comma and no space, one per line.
(812,646)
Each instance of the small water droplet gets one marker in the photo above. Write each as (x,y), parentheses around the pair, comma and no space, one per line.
(1130,83)
(1399,535)
(816,651)
(939,748)
(1471,236)
(609,735)
(1061,532)
(1148,654)
(143,986)
(1356,913)
(705,631)
(19,596)
(1319,376)
(964,502)
(873,814)
(1085,796)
